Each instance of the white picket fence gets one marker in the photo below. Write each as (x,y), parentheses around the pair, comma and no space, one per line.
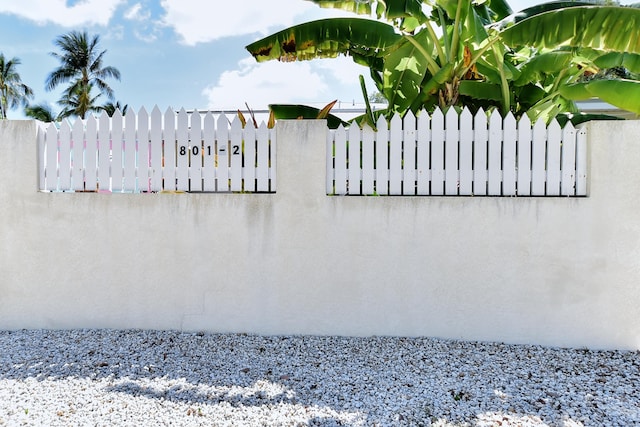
(155,152)
(458,155)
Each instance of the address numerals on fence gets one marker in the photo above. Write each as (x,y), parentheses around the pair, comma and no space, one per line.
(195,150)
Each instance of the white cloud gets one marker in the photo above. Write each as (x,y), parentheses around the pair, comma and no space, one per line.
(343,69)
(136,13)
(115,32)
(144,29)
(87,12)
(266,83)
(314,83)
(197,21)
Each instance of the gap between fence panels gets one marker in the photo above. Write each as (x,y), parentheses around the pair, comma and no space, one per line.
(458,155)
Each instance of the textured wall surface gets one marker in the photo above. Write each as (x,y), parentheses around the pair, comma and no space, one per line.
(552,271)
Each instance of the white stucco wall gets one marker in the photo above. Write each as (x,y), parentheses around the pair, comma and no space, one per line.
(553,271)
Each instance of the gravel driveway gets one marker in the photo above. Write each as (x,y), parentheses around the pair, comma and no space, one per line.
(133,377)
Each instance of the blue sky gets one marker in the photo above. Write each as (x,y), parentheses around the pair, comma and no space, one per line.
(181,53)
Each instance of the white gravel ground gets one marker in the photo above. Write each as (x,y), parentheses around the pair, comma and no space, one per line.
(132,378)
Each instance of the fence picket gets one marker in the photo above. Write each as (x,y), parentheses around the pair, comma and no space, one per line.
(568,156)
(538,159)
(196,151)
(130,151)
(495,154)
(395,156)
(222,140)
(184,149)
(509,176)
(249,169)
(481,137)
(451,177)
(554,136)
(169,151)
(524,156)
(466,153)
(382,157)
(142,158)
(368,169)
(423,151)
(437,153)
(409,155)
(104,153)
(77,156)
(117,136)
(156,149)
(353,159)
(235,138)
(91,155)
(209,147)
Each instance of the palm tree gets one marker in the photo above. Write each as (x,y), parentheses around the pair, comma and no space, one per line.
(111,108)
(81,64)
(13,92)
(77,99)
(42,112)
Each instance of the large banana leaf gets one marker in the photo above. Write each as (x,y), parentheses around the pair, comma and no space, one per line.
(623,94)
(326,38)
(359,7)
(548,108)
(577,118)
(393,9)
(428,96)
(480,90)
(508,20)
(297,111)
(404,70)
(498,9)
(390,9)
(630,61)
(598,27)
(546,63)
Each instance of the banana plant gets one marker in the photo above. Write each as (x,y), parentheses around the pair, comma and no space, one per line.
(410,64)
(427,53)
(569,52)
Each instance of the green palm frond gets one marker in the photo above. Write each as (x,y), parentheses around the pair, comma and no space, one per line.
(82,67)
(13,93)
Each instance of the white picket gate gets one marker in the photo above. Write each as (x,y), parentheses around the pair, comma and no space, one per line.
(458,155)
(153,153)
